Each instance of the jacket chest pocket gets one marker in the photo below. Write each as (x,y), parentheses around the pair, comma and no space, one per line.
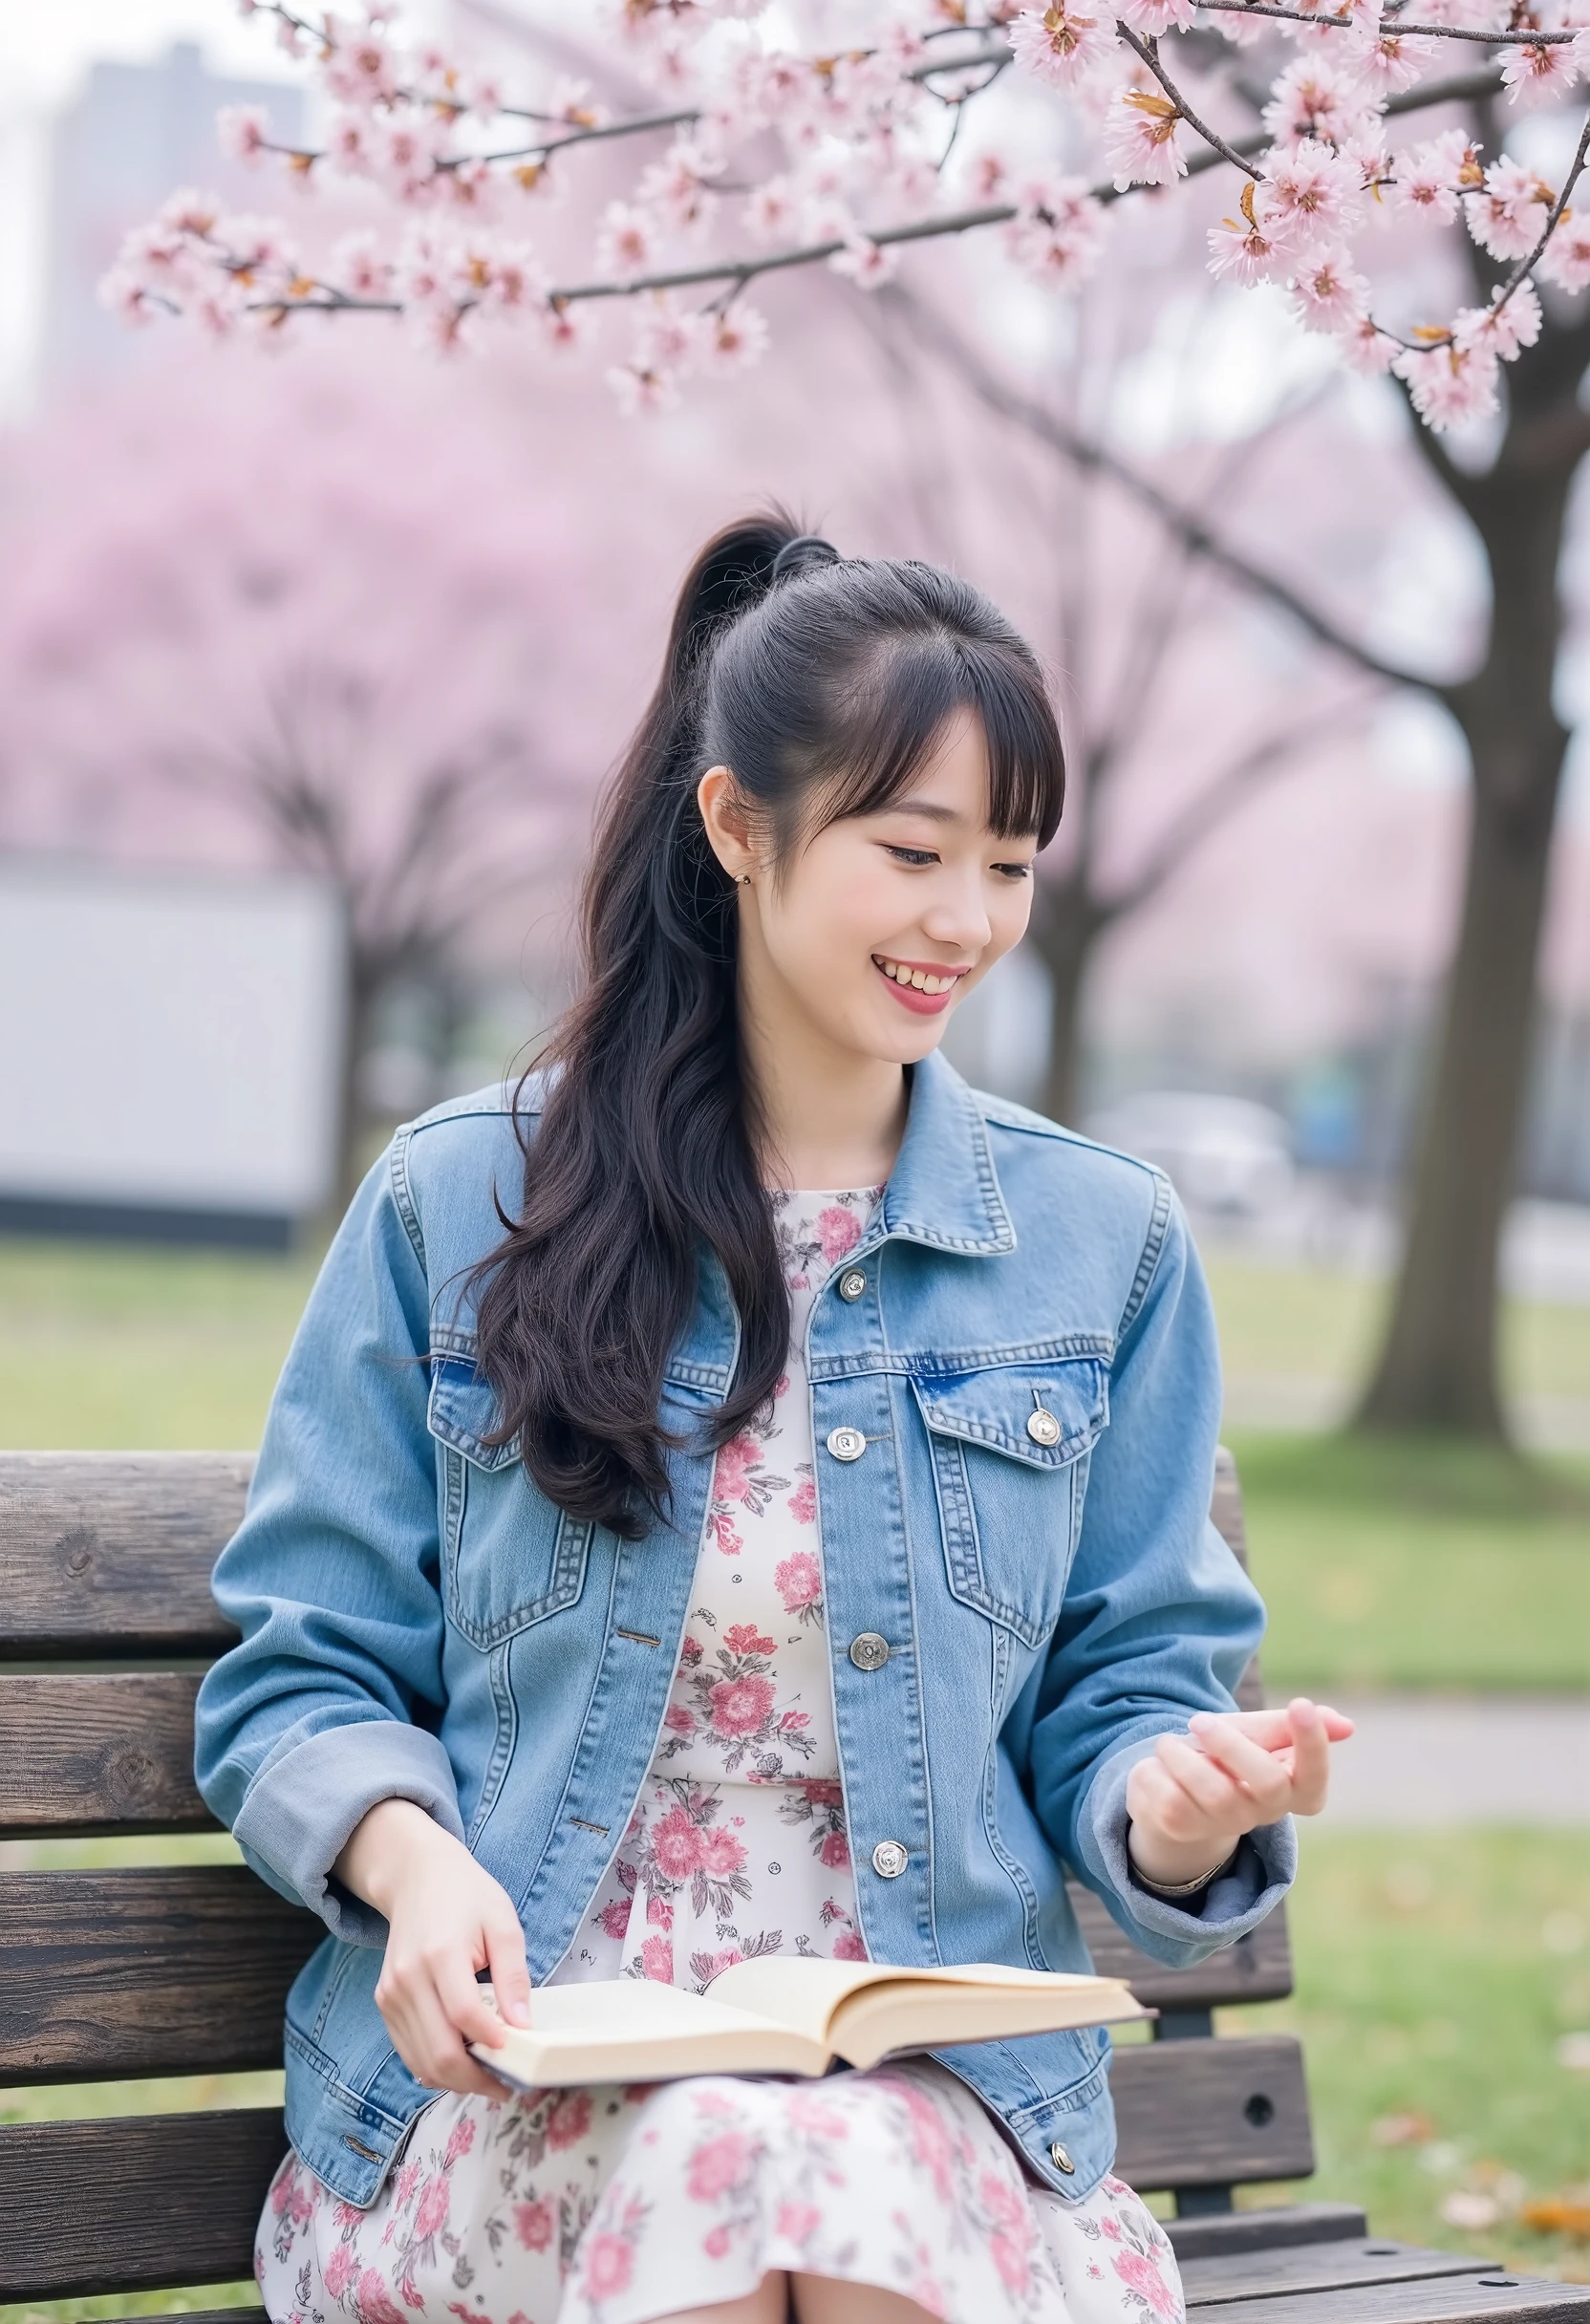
(510,1558)
(1009,1449)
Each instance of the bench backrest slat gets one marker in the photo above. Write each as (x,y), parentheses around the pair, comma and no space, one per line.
(97,1751)
(110,1552)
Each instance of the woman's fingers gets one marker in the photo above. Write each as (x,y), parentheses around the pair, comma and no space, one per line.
(428,2043)
(1310,1758)
(467,2004)
(1210,1791)
(511,1976)
(1263,1774)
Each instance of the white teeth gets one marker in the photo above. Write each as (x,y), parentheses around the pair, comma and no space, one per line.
(922,980)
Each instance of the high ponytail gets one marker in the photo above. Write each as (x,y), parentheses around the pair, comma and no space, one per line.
(795,668)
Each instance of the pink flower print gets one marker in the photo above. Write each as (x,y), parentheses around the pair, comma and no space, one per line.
(678,1721)
(816,2117)
(718,2166)
(783,1388)
(798,1579)
(1138,2269)
(724,1535)
(1003,2203)
(609,2265)
(803,1507)
(432,2215)
(1110,2228)
(460,2138)
(532,2224)
(838,1230)
(403,2186)
(570,2117)
(411,2296)
(740,1706)
(835,1851)
(659,1912)
(736,1462)
(745,1638)
(677,1842)
(657,1959)
(1012,2260)
(796,2221)
(722,1853)
(616,1918)
(849,1945)
(790,1720)
(707,1966)
(691,1650)
(930,2139)
(339,2271)
(716,2242)
(373,2302)
(345,2217)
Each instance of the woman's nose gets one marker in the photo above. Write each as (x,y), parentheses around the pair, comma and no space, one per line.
(958,917)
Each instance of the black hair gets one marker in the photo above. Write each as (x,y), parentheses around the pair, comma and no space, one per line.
(822,684)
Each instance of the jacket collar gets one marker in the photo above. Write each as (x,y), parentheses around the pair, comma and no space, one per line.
(944,1189)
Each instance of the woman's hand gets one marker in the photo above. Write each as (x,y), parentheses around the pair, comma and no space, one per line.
(1231,1772)
(447,1918)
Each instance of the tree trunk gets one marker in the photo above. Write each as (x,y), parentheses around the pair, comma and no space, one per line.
(1437,1368)
(1066,928)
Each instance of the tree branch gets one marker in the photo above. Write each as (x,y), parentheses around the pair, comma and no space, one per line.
(1184,525)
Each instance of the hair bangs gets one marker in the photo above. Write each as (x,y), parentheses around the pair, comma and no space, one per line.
(904,694)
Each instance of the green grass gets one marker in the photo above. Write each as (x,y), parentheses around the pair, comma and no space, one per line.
(1436,1974)
(1417,1564)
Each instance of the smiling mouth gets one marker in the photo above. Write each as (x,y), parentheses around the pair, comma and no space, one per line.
(920,980)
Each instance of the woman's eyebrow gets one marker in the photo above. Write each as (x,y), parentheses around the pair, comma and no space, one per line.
(929,808)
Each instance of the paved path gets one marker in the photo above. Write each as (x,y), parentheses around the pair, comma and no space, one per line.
(1441,1759)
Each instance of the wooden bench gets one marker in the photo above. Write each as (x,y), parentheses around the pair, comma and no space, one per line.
(106,1623)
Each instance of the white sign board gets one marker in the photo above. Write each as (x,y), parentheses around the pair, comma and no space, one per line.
(169,1044)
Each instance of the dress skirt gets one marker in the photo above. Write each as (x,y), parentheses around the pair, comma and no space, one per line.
(613,2205)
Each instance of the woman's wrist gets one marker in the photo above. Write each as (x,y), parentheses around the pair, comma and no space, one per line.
(382,1850)
(1170,1867)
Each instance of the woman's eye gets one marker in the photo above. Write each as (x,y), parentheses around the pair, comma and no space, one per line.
(915,856)
(1014,870)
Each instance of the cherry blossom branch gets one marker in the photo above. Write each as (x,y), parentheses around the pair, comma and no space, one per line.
(1148,50)
(1391,22)
(1554,219)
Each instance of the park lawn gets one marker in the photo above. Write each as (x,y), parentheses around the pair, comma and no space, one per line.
(1436,1972)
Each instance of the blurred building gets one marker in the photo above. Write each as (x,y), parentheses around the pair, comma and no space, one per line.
(133,135)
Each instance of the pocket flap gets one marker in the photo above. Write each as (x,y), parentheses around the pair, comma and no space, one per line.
(463,1412)
(996,1408)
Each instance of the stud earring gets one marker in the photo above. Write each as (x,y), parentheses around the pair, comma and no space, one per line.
(744,880)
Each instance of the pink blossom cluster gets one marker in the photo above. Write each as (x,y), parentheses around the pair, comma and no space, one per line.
(776,136)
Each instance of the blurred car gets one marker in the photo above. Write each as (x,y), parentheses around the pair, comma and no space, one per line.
(1220,1154)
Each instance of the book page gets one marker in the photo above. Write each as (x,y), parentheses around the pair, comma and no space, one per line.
(630,2030)
(813,1996)
(915,2014)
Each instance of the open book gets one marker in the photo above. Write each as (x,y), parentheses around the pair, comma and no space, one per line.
(786,2015)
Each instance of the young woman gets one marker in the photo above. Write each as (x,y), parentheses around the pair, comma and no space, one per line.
(743,1492)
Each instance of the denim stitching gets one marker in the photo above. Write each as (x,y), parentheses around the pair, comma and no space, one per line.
(1153,1246)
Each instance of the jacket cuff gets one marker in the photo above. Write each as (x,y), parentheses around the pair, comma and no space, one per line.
(307,1802)
(1253,1884)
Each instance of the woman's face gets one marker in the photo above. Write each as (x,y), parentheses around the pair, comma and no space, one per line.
(879,925)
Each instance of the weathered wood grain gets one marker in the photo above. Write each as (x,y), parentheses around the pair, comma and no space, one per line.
(130,1972)
(1256,1967)
(102,1751)
(1211,2113)
(1453,2299)
(110,1552)
(133,2203)
(1326,2267)
(1272,2227)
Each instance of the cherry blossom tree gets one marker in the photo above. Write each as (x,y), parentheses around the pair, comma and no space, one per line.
(1358,146)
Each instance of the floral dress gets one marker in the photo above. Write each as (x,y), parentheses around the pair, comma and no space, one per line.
(615,2206)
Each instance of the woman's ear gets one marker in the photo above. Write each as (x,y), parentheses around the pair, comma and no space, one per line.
(728,824)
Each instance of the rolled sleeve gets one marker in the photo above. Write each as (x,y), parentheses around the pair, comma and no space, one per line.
(1253,1884)
(309,1797)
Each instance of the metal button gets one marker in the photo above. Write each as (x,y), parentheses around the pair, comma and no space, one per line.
(852,1284)
(1043,1427)
(1061,2160)
(868,1651)
(847,1444)
(889,1859)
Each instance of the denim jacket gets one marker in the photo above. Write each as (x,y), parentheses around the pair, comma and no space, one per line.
(419,1621)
